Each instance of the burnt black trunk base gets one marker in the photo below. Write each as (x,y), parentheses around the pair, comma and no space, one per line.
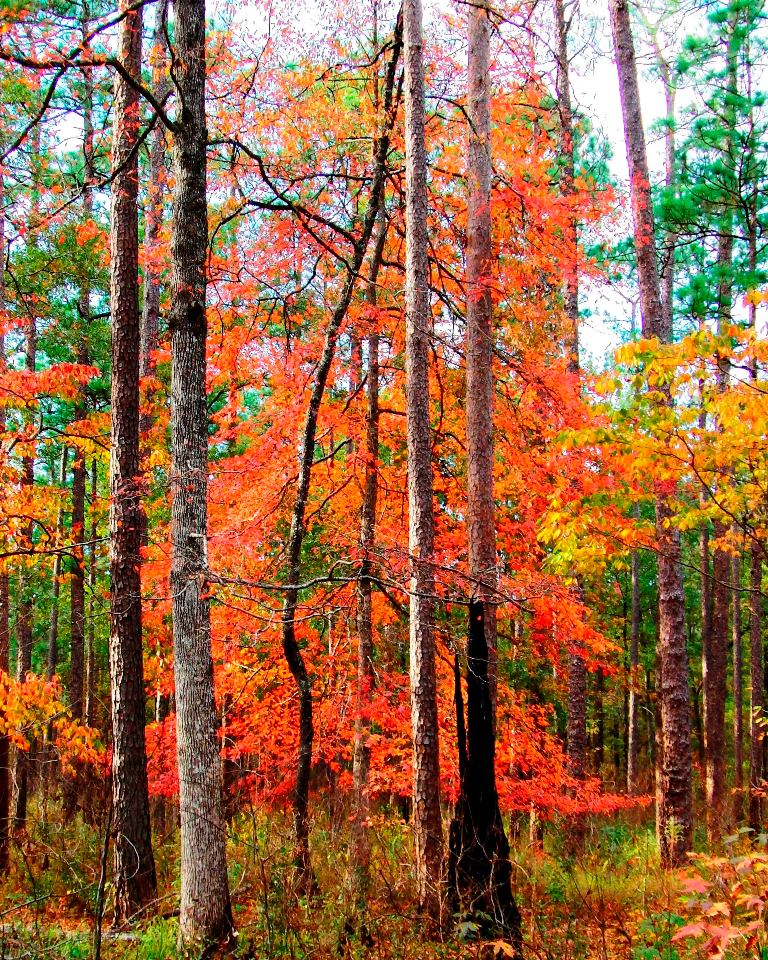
(480,871)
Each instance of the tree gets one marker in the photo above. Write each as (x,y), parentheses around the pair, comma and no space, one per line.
(135,879)
(428,829)
(674,818)
(206,913)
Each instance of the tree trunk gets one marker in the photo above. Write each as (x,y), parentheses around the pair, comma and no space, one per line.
(675,811)
(427,823)
(756,688)
(77,585)
(738,691)
(24,635)
(481,507)
(576,741)
(135,879)
(53,630)
(633,744)
(206,913)
(480,868)
(360,852)
(90,667)
(156,186)
(5,633)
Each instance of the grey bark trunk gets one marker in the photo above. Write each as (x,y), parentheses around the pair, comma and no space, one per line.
(427,823)
(675,822)
(206,914)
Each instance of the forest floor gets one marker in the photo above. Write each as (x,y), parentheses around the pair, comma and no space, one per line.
(609,901)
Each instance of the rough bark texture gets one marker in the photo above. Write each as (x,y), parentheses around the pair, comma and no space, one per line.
(53,630)
(576,739)
(360,850)
(674,813)
(206,914)
(480,871)
(756,687)
(481,507)
(633,732)
(5,633)
(77,585)
(135,880)
(24,635)
(427,823)
(715,673)
(156,186)
(90,664)
(738,689)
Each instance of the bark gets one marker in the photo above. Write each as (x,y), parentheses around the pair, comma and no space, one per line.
(633,743)
(90,667)
(576,743)
(756,688)
(481,507)
(77,585)
(156,187)
(360,852)
(291,649)
(738,691)
(24,636)
(715,673)
(674,810)
(206,913)
(480,869)
(5,634)
(53,630)
(135,879)
(427,824)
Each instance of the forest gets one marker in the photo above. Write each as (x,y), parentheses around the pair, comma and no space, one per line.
(384,479)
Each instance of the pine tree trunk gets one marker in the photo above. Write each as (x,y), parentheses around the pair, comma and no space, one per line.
(206,914)
(53,630)
(481,507)
(5,632)
(24,636)
(427,821)
(738,691)
(90,666)
(675,809)
(135,880)
(756,687)
(156,185)
(633,743)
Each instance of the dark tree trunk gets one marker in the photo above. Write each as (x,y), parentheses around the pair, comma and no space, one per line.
(756,687)
(633,742)
(77,586)
(480,868)
(24,636)
(675,809)
(156,188)
(5,633)
(90,666)
(135,880)
(360,852)
(428,829)
(53,630)
(738,690)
